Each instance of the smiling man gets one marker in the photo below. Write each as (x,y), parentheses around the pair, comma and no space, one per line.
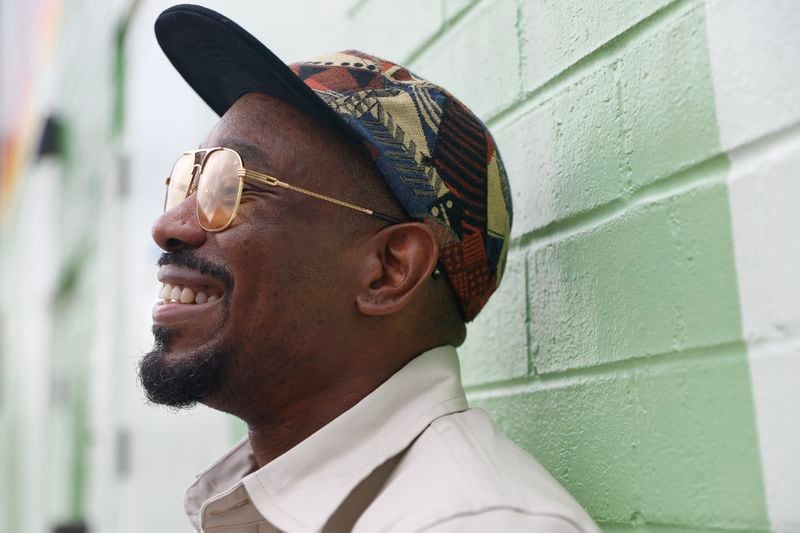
(322,251)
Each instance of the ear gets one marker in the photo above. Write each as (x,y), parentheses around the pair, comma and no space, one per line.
(400,259)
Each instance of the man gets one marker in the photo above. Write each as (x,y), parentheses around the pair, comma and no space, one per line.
(322,251)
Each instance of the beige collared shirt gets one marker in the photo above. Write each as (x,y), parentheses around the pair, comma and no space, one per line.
(411,456)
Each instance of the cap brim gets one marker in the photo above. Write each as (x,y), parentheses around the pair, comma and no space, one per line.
(221,61)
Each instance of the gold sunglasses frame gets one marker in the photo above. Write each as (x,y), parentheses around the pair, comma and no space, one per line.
(243,174)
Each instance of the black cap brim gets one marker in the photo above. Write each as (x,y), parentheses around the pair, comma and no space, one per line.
(221,61)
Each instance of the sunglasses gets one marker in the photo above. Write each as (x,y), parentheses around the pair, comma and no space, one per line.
(217,175)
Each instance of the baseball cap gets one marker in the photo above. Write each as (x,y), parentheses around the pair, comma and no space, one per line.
(438,158)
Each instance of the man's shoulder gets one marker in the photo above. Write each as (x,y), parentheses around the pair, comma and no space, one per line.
(462,469)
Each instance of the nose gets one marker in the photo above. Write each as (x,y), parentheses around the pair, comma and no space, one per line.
(177,229)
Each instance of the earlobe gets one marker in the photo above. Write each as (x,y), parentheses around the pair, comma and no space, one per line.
(401,260)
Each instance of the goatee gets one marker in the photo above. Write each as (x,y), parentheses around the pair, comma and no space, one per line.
(182,383)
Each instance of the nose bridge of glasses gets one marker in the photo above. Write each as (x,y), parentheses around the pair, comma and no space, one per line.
(200,158)
(196,170)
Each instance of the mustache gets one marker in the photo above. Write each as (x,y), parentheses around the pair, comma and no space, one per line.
(189,259)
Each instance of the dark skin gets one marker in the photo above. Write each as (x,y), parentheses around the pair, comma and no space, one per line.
(326,303)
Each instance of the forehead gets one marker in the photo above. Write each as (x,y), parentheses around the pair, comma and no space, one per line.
(265,130)
(252,127)
(266,118)
(274,137)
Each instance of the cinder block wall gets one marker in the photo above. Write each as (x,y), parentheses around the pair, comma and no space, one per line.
(645,344)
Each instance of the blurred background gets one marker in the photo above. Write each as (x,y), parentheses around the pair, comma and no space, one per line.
(645,343)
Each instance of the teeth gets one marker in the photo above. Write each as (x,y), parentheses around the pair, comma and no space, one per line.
(184,295)
(187,296)
(165,291)
(175,294)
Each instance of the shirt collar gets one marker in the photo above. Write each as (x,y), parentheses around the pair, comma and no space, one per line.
(302,488)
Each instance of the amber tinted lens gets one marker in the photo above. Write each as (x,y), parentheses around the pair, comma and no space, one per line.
(179,180)
(218,190)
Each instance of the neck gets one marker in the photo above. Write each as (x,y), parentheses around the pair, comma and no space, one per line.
(275,434)
(284,413)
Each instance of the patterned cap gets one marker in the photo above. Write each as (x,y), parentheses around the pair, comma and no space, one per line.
(437,157)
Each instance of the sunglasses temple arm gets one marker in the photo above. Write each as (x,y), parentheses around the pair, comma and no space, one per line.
(270,180)
(371,212)
(387,218)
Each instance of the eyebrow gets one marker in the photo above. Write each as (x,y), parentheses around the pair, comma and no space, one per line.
(251,154)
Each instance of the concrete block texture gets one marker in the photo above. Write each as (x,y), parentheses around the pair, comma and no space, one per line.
(391,32)
(658,278)
(753,51)
(668,97)
(635,112)
(774,373)
(477,59)
(454,8)
(754,47)
(668,442)
(556,35)
(497,340)
(764,194)
(566,155)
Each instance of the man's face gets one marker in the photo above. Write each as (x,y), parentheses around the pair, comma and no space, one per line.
(275,287)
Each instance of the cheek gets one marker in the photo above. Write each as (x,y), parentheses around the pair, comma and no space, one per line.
(289,271)
(265,281)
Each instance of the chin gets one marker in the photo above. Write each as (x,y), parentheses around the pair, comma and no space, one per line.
(181,381)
